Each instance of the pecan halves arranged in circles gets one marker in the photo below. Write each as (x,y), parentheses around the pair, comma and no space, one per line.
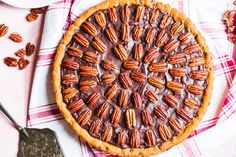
(175,86)
(184,114)
(70,64)
(156,81)
(162,38)
(69,79)
(151,55)
(88,71)
(76,105)
(154,13)
(175,125)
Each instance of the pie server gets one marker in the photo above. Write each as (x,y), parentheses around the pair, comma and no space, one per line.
(35,142)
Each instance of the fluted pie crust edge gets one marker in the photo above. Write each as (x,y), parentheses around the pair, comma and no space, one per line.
(104,146)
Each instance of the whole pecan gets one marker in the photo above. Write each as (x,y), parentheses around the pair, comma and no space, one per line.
(125,31)
(177,27)
(121,138)
(165,21)
(22,63)
(151,95)
(162,38)
(111,92)
(135,139)
(108,78)
(185,38)
(171,100)
(125,13)
(136,100)
(102,110)
(29,48)
(89,28)
(137,51)
(138,76)
(178,58)
(191,103)
(115,117)
(150,35)
(196,61)
(87,85)
(112,14)
(184,114)
(69,79)
(123,99)
(154,13)
(194,48)
(10,61)
(3,30)
(125,80)
(70,64)
(95,126)
(156,81)
(131,64)
(160,112)
(69,93)
(76,105)
(121,53)
(146,118)
(175,125)
(31,17)
(16,37)
(137,32)
(108,65)
(195,89)
(130,118)
(178,72)
(150,138)
(93,99)
(99,45)
(20,53)
(74,52)
(107,133)
(81,40)
(160,67)
(88,71)
(84,117)
(111,34)
(151,55)
(171,45)
(90,57)
(198,74)
(140,11)
(175,86)
(164,132)
(100,18)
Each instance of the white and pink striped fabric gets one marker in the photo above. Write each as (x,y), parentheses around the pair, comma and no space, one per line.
(43,111)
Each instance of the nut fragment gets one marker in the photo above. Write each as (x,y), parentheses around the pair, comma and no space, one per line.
(139,14)
(3,30)
(175,125)
(74,52)
(137,32)
(151,55)
(178,58)
(164,132)
(196,61)
(151,95)
(115,117)
(137,51)
(165,21)
(125,13)
(147,118)
(121,138)
(95,126)
(177,27)
(111,92)
(102,110)
(138,76)
(107,134)
(194,48)
(123,98)
(198,74)
(121,53)
(31,17)
(178,72)
(88,71)
(175,86)
(171,45)
(137,100)
(160,67)
(10,61)
(154,13)
(87,85)
(70,64)
(108,78)
(130,118)
(84,117)
(184,114)
(195,89)
(89,28)
(150,35)
(125,31)
(162,38)
(125,80)
(69,79)
(90,57)
(108,65)
(156,81)
(111,34)
(93,99)
(99,45)
(81,40)
(185,38)
(16,37)
(191,103)
(134,139)
(171,100)
(29,48)
(131,64)
(76,105)
(160,112)
(69,93)
(112,14)
(100,18)
(20,53)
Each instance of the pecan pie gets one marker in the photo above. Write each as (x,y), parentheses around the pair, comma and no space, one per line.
(132,78)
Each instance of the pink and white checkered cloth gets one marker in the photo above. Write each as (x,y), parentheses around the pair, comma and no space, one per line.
(219,121)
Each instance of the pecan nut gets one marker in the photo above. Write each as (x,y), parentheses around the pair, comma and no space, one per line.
(69,79)
(138,76)
(121,138)
(93,99)
(150,138)
(31,17)
(160,112)
(10,61)
(69,93)
(76,105)
(191,103)
(112,14)
(137,51)
(74,52)
(185,38)
(90,57)
(151,95)
(125,80)
(196,61)
(22,63)
(108,78)
(3,30)
(88,71)
(108,65)
(111,34)
(175,125)
(89,28)
(130,118)
(131,64)
(184,114)
(29,48)
(121,53)
(115,117)
(165,21)
(95,126)
(164,132)
(125,13)
(178,72)
(70,64)
(195,89)
(102,110)
(81,40)
(111,92)
(171,100)
(171,45)
(20,53)
(177,27)
(146,118)
(16,37)
(125,31)
(156,81)
(140,10)
(123,98)
(135,139)
(87,85)
(107,134)
(100,18)
(150,35)
(99,45)
(154,13)
(137,100)
(194,48)
(178,58)
(161,38)
(175,86)
(151,55)
(84,117)
(137,32)
(198,75)
(160,67)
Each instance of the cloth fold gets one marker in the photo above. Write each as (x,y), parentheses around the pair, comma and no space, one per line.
(43,111)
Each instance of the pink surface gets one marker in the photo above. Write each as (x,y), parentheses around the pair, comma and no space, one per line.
(15,84)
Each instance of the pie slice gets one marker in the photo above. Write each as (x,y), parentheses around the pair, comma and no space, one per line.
(132,78)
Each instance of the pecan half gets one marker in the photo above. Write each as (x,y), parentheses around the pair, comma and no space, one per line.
(156,81)
(87,85)
(178,58)
(112,14)
(76,105)
(138,76)
(84,117)
(198,74)
(125,13)
(178,72)
(95,126)
(191,103)
(108,78)
(10,61)
(165,21)
(160,112)
(111,34)
(151,55)
(100,18)
(111,92)
(184,114)
(130,118)
(150,35)
(135,139)
(121,138)
(150,138)
(107,133)
(70,64)
(158,67)
(88,71)
(131,64)
(102,110)
(29,48)
(115,117)
(69,79)
(108,65)
(195,89)
(90,57)
(69,93)
(162,38)
(154,13)
(123,98)
(89,28)
(99,45)
(31,17)
(38,10)
(177,27)
(3,30)
(121,53)
(74,52)
(137,51)
(175,125)
(175,86)
(125,31)
(194,48)
(171,45)
(196,61)
(81,40)
(22,63)
(151,95)
(16,37)
(136,100)
(171,100)
(185,38)
(146,118)
(140,10)
(137,32)
(20,53)
(164,132)
(125,80)
(93,99)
